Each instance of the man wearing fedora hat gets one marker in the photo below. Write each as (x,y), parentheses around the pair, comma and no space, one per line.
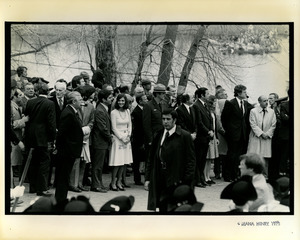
(152,114)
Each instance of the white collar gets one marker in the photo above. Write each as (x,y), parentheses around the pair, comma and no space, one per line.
(171,131)
(141,107)
(239,100)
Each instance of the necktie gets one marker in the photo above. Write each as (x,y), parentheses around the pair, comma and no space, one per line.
(242,109)
(60,103)
(262,124)
(167,135)
(78,118)
(162,161)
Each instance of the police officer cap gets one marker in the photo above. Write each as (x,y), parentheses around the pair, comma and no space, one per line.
(159,88)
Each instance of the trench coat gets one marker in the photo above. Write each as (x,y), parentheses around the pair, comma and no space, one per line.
(257,144)
(179,155)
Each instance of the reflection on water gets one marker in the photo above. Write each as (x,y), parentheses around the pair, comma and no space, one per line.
(262,74)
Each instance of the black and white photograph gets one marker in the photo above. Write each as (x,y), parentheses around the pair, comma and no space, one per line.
(142,120)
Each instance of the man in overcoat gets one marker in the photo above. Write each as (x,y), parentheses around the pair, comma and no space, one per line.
(263,123)
(171,162)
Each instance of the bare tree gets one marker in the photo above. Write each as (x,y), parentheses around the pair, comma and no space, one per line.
(189,62)
(142,56)
(167,54)
(105,52)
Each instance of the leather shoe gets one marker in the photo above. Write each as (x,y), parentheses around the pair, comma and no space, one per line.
(74,189)
(211,182)
(200,185)
(205,183)
(98,190)
(44,193)
(82,188)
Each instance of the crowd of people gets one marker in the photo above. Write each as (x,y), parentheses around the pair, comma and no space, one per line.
(75,132)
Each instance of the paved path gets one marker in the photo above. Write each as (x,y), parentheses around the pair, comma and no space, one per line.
(210,196)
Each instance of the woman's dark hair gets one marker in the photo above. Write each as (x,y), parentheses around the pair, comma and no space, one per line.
(126,105)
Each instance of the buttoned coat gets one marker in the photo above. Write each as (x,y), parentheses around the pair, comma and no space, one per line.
(179,155)
(101,133)
(69,139)
(283,131)
(57,108)
(261,124)
(235,123)
(204,122)
(137,127)
(187,120)
(152,120)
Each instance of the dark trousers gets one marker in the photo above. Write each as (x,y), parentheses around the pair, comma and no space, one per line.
(98,158)
(201,149)
(273,170)
(138,155)
(284,156)
(63,170)
(235,150)
(39,169)
(218,165)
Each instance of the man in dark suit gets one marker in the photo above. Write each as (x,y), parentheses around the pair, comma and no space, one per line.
(138,146)
(204,133)
(186,115)
(59,98)
(171,162)
(235,121)
(40,134)
(101,139)
(60,102)
(283,138)
(69,143)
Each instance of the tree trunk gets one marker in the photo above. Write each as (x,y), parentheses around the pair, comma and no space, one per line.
(105,53)
(142,56)
(167,55)
(189,62)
